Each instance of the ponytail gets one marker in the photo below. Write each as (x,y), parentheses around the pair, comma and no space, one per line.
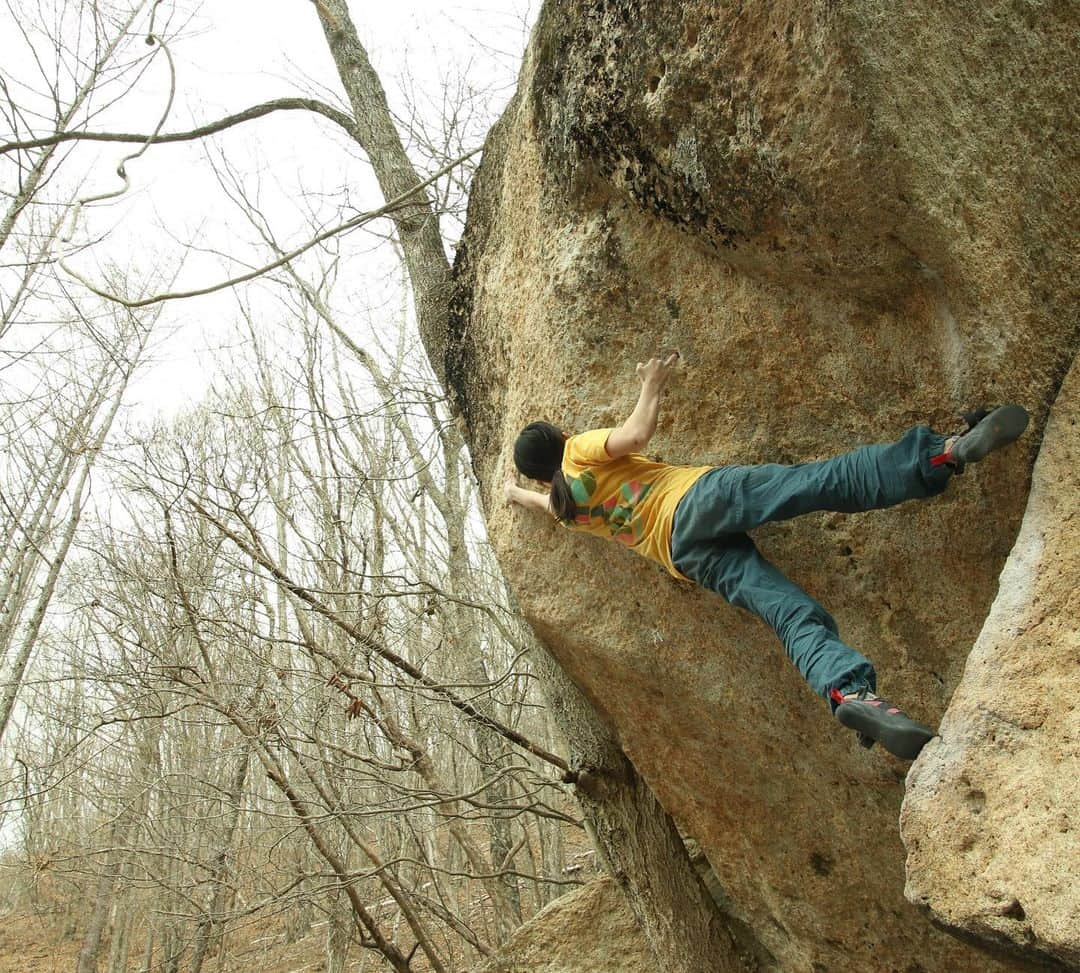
(562,500)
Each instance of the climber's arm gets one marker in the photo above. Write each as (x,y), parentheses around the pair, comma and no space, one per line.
(529,499)
(634,434)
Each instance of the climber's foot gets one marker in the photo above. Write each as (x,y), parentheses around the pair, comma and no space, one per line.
(876,719)
(987,431)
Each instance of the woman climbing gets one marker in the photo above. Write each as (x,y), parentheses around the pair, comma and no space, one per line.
(693,520)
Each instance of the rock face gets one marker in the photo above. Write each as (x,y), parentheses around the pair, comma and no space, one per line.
(587,931)
(849,217)
(992,814)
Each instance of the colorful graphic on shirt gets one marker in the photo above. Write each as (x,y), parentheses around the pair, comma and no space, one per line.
(617,512)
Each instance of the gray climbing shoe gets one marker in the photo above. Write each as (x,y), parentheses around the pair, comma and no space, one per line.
(876,719)
(987,431)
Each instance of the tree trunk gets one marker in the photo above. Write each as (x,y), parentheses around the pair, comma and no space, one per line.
(637,839)
(148,949)
(121,936)
(22,655)
(417,224)
(95,929)
(550,840)
(111,868)
(212,917)
(338,932)
(501,841)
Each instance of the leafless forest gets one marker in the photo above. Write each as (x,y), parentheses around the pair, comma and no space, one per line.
(261,679)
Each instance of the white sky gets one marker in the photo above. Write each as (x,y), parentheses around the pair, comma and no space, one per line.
(235,54)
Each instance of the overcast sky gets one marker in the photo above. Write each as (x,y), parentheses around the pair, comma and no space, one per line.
(232,55)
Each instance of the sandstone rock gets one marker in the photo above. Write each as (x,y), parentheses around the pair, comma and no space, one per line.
(586,931)
(991,819)
(849,217)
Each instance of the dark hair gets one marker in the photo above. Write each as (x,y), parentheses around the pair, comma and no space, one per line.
(538,454)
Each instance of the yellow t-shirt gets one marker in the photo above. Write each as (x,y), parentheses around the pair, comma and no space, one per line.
(631,499)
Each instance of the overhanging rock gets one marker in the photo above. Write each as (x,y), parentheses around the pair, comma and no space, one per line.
(849,217)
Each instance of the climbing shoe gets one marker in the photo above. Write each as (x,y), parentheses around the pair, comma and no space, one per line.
(987,431)
(876,720)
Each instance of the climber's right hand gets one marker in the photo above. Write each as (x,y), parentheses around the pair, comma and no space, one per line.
(655,371)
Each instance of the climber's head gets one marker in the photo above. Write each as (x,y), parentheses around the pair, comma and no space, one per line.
(538,454)
(538,451)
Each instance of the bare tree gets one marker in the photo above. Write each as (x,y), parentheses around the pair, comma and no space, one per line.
(254,618)
(51,492)
(66,361)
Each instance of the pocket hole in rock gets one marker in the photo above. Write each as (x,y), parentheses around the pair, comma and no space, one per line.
(1015,910)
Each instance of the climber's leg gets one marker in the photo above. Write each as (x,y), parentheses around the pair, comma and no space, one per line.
(736,570)
(731,499)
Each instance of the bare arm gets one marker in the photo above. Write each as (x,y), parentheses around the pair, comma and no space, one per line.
(634,434)
(529,499)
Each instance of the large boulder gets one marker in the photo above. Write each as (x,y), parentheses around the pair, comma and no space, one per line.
(991,819)
(589,930)
(850,217)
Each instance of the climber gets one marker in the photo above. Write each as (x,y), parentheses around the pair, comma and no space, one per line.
(694,521)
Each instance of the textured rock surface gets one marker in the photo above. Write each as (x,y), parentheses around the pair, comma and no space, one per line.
(849,217)
(991,819)
(587,931)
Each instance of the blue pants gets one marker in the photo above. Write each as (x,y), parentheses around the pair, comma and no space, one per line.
(709,543)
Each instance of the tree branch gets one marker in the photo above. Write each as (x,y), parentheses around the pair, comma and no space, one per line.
(381,650)
(335,115)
